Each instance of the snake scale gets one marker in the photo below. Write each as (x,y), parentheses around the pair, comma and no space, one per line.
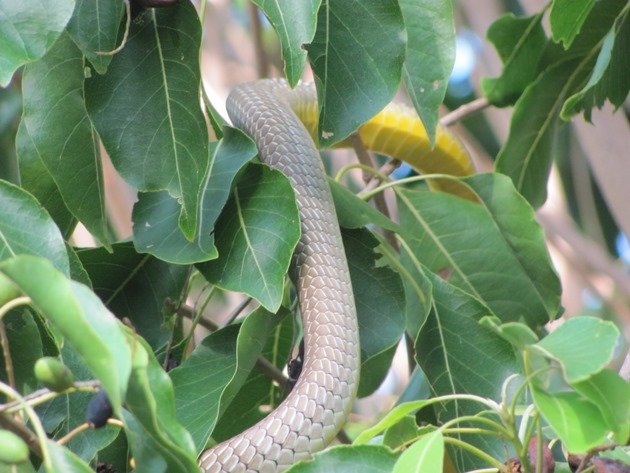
(317,407)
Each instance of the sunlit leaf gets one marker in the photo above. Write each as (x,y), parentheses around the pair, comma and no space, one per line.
(349,459)
(426,455)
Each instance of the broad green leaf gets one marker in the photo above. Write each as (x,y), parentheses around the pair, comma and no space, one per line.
(25,347)
(356,213)
(492,249)
(64,460)
(401,433)
(27,29)
(356,55)
(379,298)
(222,361)
(35,178)
(520,43)
(459,356)
(256,235)
(424,456)
(526,156)
(611,394)
(78,314)
(94,27)
(582,345)
(349,459)
(567,17)
(295,24)
(146,108)
(259,389)
(391,418)
(518,334)
(136,286)
(155,214)
(418,290)
(67,411)
(26,228)
(430,56)
(55,125)
(375,369)
(154,432)
(609,79)
(577,421)
(77,271)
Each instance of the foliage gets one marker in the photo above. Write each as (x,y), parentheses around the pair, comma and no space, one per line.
(464,277)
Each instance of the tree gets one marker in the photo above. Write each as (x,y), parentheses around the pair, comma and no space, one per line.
(460,272)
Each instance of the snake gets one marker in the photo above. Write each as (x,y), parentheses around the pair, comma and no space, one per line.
(283,124)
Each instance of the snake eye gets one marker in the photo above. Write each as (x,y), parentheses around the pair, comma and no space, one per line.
(98,410)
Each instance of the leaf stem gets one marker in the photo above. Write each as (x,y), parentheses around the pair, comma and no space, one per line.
(475,451)
(464,110)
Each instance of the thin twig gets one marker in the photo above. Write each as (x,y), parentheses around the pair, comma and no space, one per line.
(6,352)
(464,110)
(367,159)
(240,308)
(8,423)
(386,169)
(77,430)
(45,394)
(262,61)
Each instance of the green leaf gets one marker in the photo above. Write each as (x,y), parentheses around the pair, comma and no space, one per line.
(94,27)
(492,249)
(520,43)
(349,459)
(582,345)
(459,356)
(425,456)
(26,228)
(567,18)
(526,155)
(356,55)
(222,361)
(25,347)
(430,56)
(55,125)
(611,394)
(391,418)
(255,239)
(295,24)
(354,212)
(79,315)
(135,286)
(35,178)
(64,460)
(577,422)
(401,433)
(609,78)
(155,229)
(516,333)
(154,432)
(27,29)
(146,108)
(379,297)
(418,291)
(258,389)
(67,411)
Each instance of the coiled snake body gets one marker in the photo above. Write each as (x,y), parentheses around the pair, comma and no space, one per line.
(314,411)
(308,419)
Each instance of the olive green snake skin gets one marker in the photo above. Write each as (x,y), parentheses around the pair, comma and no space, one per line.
(317,407)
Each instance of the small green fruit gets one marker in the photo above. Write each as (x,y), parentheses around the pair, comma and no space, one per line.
(53,374)
(12,448)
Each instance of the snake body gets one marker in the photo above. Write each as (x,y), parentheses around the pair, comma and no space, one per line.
(309,418)
(314,411)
